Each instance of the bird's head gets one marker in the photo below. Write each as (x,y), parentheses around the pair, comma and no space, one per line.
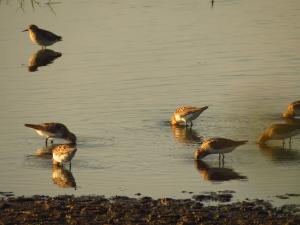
(31,27)
(200,154)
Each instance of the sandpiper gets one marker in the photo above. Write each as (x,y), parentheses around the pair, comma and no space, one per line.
(216,146)
(279,131)
(53,130)
(42,37)
(293,110)
(186,114)
(63,153)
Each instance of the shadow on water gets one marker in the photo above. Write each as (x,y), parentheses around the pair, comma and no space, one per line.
(42,57)
(185,134)
(33,3)
(62,177)
(279,153)
(217,173)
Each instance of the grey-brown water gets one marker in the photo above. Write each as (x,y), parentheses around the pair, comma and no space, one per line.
(124,68)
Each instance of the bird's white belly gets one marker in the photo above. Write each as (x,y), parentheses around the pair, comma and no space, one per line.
(64,157)
(44,133)
(221,151)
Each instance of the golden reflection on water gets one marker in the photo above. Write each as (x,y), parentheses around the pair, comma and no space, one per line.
(184,134)
(42,57)
(62,177)
(45,151)
(217,173)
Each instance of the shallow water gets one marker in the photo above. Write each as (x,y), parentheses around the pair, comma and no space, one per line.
(124,68)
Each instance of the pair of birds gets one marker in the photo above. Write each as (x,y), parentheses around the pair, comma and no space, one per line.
(283,131)
(61,153)
(215,145)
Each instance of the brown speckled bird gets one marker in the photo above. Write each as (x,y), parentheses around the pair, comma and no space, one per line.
(217,146)
(186,114)
(53,130)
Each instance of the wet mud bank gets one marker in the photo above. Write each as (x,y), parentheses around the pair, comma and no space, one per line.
(143,210)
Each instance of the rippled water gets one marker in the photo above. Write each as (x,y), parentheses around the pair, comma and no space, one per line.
(122,69)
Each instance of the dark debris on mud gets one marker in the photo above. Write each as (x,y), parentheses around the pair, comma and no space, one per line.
(144,210)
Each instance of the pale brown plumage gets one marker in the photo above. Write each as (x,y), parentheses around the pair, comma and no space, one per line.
(217,146)
(186,114)
(63,153)
(53,130)
(279,132)
(293,110)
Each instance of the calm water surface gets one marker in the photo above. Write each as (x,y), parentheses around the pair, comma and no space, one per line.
(124,67)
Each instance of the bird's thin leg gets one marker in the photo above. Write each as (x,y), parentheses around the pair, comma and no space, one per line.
(186,123)
(52,141)
(46,141)
(283,142)
(191,123)
(219,158)
(70,165)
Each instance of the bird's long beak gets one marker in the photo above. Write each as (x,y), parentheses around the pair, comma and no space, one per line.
(24,30)
(204,108)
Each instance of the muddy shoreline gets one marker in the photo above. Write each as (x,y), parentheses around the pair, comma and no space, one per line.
(142,210)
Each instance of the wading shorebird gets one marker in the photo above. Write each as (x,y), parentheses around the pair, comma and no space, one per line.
(53,130)
(217,146)
(42,37)
(279,132)
(293,110)
(186,114)
(63,153)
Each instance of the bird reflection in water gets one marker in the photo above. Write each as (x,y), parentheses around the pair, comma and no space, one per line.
(217,174)
(63,177)
(45,151)
(279,153)
(42,57)
(185,134)
(279,132)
